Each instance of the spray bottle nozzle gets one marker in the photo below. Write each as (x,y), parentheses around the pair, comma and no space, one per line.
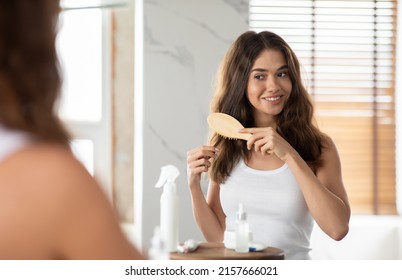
(169,173)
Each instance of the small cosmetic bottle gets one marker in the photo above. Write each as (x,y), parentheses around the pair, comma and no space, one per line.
(242,231)
(157,250)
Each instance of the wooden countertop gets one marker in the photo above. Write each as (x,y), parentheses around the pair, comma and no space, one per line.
(217,251)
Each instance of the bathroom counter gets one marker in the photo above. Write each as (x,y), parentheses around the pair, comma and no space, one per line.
(217,251)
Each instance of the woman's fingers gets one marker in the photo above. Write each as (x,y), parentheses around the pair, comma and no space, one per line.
(264,146)
(198,159)
(264,139)
(201,152)
(200,162)
(266,149)
(260,138)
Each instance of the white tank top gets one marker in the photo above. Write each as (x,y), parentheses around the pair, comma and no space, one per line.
(276,210)
(11,141)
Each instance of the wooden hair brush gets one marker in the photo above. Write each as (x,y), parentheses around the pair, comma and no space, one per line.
(227,126)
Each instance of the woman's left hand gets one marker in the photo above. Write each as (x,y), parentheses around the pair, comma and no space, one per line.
(267,140)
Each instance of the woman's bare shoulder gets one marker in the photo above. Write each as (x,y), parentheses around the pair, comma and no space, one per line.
(49,176)
(329,147)
(41,181)
(53,192)
(46,170)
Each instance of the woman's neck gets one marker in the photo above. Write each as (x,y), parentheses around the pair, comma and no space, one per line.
(265,121)
(259,161)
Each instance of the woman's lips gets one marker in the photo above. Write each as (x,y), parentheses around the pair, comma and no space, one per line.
(273,98)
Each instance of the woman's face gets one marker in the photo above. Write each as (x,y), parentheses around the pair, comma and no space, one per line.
(269,86)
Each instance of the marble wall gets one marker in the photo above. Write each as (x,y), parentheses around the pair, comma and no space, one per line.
(183,42)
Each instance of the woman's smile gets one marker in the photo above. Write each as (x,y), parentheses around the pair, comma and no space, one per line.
(269,85)
(273,99)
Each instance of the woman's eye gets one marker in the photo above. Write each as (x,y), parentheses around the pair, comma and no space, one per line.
(282,74)
(259,77)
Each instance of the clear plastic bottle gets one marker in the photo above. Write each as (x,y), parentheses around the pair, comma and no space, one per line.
(157,250)
(242,231)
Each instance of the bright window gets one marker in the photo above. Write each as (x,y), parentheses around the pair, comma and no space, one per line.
(84,105)
(80,49)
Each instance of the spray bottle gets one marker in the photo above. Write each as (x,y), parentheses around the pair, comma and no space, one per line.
(169,207)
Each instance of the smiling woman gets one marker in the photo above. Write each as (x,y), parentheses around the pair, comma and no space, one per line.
(284,191)
(269,85)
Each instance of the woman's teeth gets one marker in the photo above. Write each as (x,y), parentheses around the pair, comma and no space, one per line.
(272,98)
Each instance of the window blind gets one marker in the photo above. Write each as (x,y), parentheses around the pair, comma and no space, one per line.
(347,50)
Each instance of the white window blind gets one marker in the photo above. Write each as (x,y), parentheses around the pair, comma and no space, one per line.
(347,50)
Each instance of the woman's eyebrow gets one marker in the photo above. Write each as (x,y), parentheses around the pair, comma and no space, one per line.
(283,67)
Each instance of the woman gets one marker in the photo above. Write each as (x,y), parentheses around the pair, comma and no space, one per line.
(50,207)
(288,173)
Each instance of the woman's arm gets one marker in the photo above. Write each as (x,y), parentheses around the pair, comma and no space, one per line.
(208,212)
(323,192)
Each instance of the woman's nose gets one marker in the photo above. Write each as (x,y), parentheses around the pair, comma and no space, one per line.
(272,84)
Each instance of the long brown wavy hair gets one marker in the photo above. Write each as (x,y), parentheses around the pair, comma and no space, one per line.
(294,123)
(30,80)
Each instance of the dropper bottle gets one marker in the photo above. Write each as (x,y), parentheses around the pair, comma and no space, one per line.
(242,231)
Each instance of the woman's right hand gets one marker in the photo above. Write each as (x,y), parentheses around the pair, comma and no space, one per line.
(198,161)
(207,210)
